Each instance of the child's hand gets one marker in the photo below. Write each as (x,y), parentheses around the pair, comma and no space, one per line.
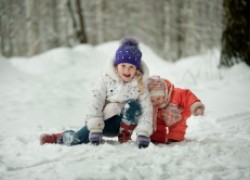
(199,111)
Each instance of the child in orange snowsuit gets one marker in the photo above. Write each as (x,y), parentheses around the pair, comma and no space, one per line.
(172,107)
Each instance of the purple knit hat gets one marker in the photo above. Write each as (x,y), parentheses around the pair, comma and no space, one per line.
(128,52)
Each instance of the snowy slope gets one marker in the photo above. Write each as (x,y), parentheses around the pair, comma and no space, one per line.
(49,93)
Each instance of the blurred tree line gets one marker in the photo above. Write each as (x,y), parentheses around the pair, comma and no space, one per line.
(172,28)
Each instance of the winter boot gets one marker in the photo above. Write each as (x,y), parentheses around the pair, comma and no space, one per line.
(130,115)
(125,132)
(50,138)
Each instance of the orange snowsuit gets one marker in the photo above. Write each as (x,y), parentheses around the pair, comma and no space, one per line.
(170,120)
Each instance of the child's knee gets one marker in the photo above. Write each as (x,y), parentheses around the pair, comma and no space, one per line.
(176,135)
(131,112)
(158,137)
(130,115)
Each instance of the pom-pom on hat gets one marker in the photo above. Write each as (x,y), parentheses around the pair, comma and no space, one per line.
(128,52)
(156,86)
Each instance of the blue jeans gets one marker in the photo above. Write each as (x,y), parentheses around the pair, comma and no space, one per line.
(129,114)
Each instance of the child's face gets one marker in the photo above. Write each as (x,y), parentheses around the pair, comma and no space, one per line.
(126,71)
(157,100)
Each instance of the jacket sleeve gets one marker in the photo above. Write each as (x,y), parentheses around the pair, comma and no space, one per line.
(95,122)
(187,100)
(145,124)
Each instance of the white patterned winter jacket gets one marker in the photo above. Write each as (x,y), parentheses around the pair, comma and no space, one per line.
(110,94)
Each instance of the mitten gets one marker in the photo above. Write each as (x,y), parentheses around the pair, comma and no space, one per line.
(95,138)
(142,141)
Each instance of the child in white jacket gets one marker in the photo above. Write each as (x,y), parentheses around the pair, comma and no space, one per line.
(120,103)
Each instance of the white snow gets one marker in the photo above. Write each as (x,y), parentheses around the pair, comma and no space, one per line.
(49,93)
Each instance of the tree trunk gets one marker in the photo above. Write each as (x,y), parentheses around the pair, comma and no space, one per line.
(82,32)
(236,35)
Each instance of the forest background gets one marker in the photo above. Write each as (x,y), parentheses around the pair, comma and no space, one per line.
(172,28)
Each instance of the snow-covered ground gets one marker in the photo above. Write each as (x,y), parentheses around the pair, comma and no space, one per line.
(49,93)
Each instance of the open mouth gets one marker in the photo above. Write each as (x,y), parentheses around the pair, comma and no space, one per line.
(126,75)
